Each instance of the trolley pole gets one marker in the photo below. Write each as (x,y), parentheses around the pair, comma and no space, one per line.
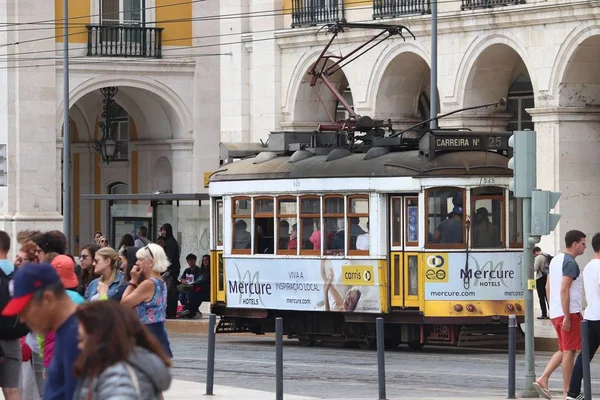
(433,95)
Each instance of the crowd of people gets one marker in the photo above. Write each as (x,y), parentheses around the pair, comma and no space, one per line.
(93,329)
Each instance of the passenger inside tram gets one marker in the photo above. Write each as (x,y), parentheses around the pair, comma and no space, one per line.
(362,241)
(293,242)
(241,236)
(355,232)
(450,231)
(485,233)
(284,234)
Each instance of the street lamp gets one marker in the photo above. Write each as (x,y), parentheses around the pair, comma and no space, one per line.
(107,146)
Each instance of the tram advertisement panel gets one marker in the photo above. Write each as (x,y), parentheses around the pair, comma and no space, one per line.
(487,276)
(303,284)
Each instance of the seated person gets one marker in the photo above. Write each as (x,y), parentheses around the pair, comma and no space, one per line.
(293,242)
(284,234)
(485,233)
(362,241)
(195,286)
(241,237)
(450,231)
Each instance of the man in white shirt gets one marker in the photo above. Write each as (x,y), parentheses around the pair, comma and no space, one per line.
(565,295)
(591,282)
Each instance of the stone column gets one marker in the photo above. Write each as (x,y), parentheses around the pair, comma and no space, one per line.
(481,120)
(568,161)
(27,120)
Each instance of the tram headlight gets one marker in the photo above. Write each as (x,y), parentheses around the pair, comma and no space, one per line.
(510,307)
(471,308)
(518,307)
(458,307)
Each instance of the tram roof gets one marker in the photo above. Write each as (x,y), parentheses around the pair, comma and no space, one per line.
(377,162)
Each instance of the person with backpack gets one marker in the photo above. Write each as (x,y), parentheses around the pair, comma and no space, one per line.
(541,265)
(11,330)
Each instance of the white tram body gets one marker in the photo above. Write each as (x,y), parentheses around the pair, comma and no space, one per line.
(330,239)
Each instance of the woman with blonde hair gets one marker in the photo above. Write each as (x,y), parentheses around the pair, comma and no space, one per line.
(108,285)
(147,291)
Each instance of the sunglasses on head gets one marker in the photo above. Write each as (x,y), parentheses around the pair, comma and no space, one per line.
(149,251)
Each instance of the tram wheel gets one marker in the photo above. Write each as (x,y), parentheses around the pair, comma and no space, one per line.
(367,344)
(415,345)
(391,343)
(306,341)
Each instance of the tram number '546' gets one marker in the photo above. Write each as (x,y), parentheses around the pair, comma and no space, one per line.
(488,181)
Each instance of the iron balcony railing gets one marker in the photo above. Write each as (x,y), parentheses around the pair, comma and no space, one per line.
(477,4)
(315,12)
(397,8)
(124,41)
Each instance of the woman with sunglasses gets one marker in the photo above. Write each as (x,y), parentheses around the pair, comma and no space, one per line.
(86,261)
(147,291)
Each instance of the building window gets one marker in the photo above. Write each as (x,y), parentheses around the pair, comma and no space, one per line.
(122,12)
(520,97)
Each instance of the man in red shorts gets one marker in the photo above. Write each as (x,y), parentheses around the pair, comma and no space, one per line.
(565,295)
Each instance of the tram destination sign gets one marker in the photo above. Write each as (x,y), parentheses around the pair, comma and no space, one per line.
(440,141)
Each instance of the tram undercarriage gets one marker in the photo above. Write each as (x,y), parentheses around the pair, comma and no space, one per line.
(405,327)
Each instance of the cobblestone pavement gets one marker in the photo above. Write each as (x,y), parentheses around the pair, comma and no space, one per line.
(248,361)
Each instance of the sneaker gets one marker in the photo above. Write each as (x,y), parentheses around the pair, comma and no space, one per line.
(183,313)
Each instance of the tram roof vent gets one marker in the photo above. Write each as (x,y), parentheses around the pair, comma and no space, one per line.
(264,157)
(336,154)
(300,155)
(375,152)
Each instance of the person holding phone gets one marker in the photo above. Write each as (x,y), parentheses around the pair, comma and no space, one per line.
(147,291)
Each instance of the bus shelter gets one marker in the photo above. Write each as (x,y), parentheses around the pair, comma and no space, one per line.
(188,213)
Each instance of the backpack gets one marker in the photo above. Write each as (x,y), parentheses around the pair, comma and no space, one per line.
(10,327)
(546,268)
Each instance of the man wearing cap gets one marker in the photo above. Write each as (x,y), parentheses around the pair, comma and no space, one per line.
(450,231)
(40,300)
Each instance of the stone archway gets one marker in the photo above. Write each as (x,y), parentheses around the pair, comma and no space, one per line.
(308,110)
(492,77)
(404,91)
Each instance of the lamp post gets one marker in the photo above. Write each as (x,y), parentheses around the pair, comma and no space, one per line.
(107,146)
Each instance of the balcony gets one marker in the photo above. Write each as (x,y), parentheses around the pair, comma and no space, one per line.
(478,4)
(316,12)
(124,41)
(397,8)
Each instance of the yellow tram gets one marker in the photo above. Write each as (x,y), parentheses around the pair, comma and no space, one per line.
(422,231)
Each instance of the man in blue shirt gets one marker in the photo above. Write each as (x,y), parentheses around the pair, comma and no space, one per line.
(40,300)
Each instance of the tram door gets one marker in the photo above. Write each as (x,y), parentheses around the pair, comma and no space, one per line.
(404,256)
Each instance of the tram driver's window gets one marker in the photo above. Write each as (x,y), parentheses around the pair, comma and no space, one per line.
(310,225)
(487,218)
(335,232)
(264,226)
(287,223)
(515,222)
(241,219)
(358,224)
(445,217)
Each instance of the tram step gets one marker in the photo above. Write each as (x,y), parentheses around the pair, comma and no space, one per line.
(484,336)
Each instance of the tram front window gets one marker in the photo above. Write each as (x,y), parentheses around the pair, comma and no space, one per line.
(487,208)
(445,216)
(241,225)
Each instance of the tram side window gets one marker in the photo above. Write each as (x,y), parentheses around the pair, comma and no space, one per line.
(219,222)
(445,217)
(310,225)
(358,224)
(487,209)
(287,241)
(335,232)
(241,217)
(515,222)
(264,226)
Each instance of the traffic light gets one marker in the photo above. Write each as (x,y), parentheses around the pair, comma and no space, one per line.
(522,163)
(542,221)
